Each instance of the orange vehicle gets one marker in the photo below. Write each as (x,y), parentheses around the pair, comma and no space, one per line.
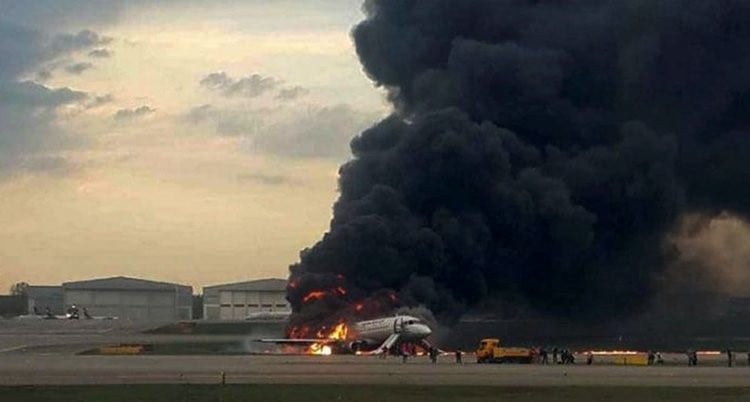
(490,351)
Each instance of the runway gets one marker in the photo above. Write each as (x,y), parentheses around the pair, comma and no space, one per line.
(68,370)
(46,353)
(74,336)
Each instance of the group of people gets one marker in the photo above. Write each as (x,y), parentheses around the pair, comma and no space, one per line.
(72,313)
(407,349)
(559,356)
(730,358)
(692,357)
(434,352)
(655,358)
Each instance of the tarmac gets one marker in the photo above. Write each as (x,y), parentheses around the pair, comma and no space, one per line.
(77,370)
(70,337)
(38,353)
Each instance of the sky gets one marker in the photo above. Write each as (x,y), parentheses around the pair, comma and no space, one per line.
(185,141)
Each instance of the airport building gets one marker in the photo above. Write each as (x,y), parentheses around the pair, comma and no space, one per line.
(130,299)
(237,301)
(42,298)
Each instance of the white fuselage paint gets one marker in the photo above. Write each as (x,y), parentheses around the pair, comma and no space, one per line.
(374,332)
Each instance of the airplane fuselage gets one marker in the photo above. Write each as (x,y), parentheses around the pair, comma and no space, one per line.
(375,332)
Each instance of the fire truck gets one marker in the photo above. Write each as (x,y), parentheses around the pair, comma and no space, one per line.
(490,351)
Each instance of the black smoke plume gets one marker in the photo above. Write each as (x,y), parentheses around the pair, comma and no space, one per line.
(539,151)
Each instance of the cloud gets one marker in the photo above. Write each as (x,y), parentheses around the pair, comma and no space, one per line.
(292,93)
(61,14)
(30,136)
(64,14)
(23,49)
(31,94)
(20,48)
(136,113)
(251,86)
(64,43)
(229,122)
(323,132)
(100,53)
(50,164)
(78,68)
(99,101)
(27,125)
(199,113)
(43,75)
(265,179)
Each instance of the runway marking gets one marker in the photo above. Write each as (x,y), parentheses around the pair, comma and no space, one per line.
(13,349)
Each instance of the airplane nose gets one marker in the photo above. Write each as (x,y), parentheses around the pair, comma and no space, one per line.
(423,330)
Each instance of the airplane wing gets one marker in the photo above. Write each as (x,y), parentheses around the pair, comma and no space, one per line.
(287,341)
(387,344)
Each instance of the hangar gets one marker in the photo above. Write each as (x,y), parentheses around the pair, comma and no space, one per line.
(130,298)
(235,301)
(41,298)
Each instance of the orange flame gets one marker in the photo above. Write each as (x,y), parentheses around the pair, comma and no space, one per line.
(320,349)
(319,294)
(316,295)
(338,333)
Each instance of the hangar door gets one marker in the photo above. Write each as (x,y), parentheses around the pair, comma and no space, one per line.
(131,304)
(237,305)
(233,305)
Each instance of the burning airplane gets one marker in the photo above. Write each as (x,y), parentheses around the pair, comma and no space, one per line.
(365,337)
(539,152)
